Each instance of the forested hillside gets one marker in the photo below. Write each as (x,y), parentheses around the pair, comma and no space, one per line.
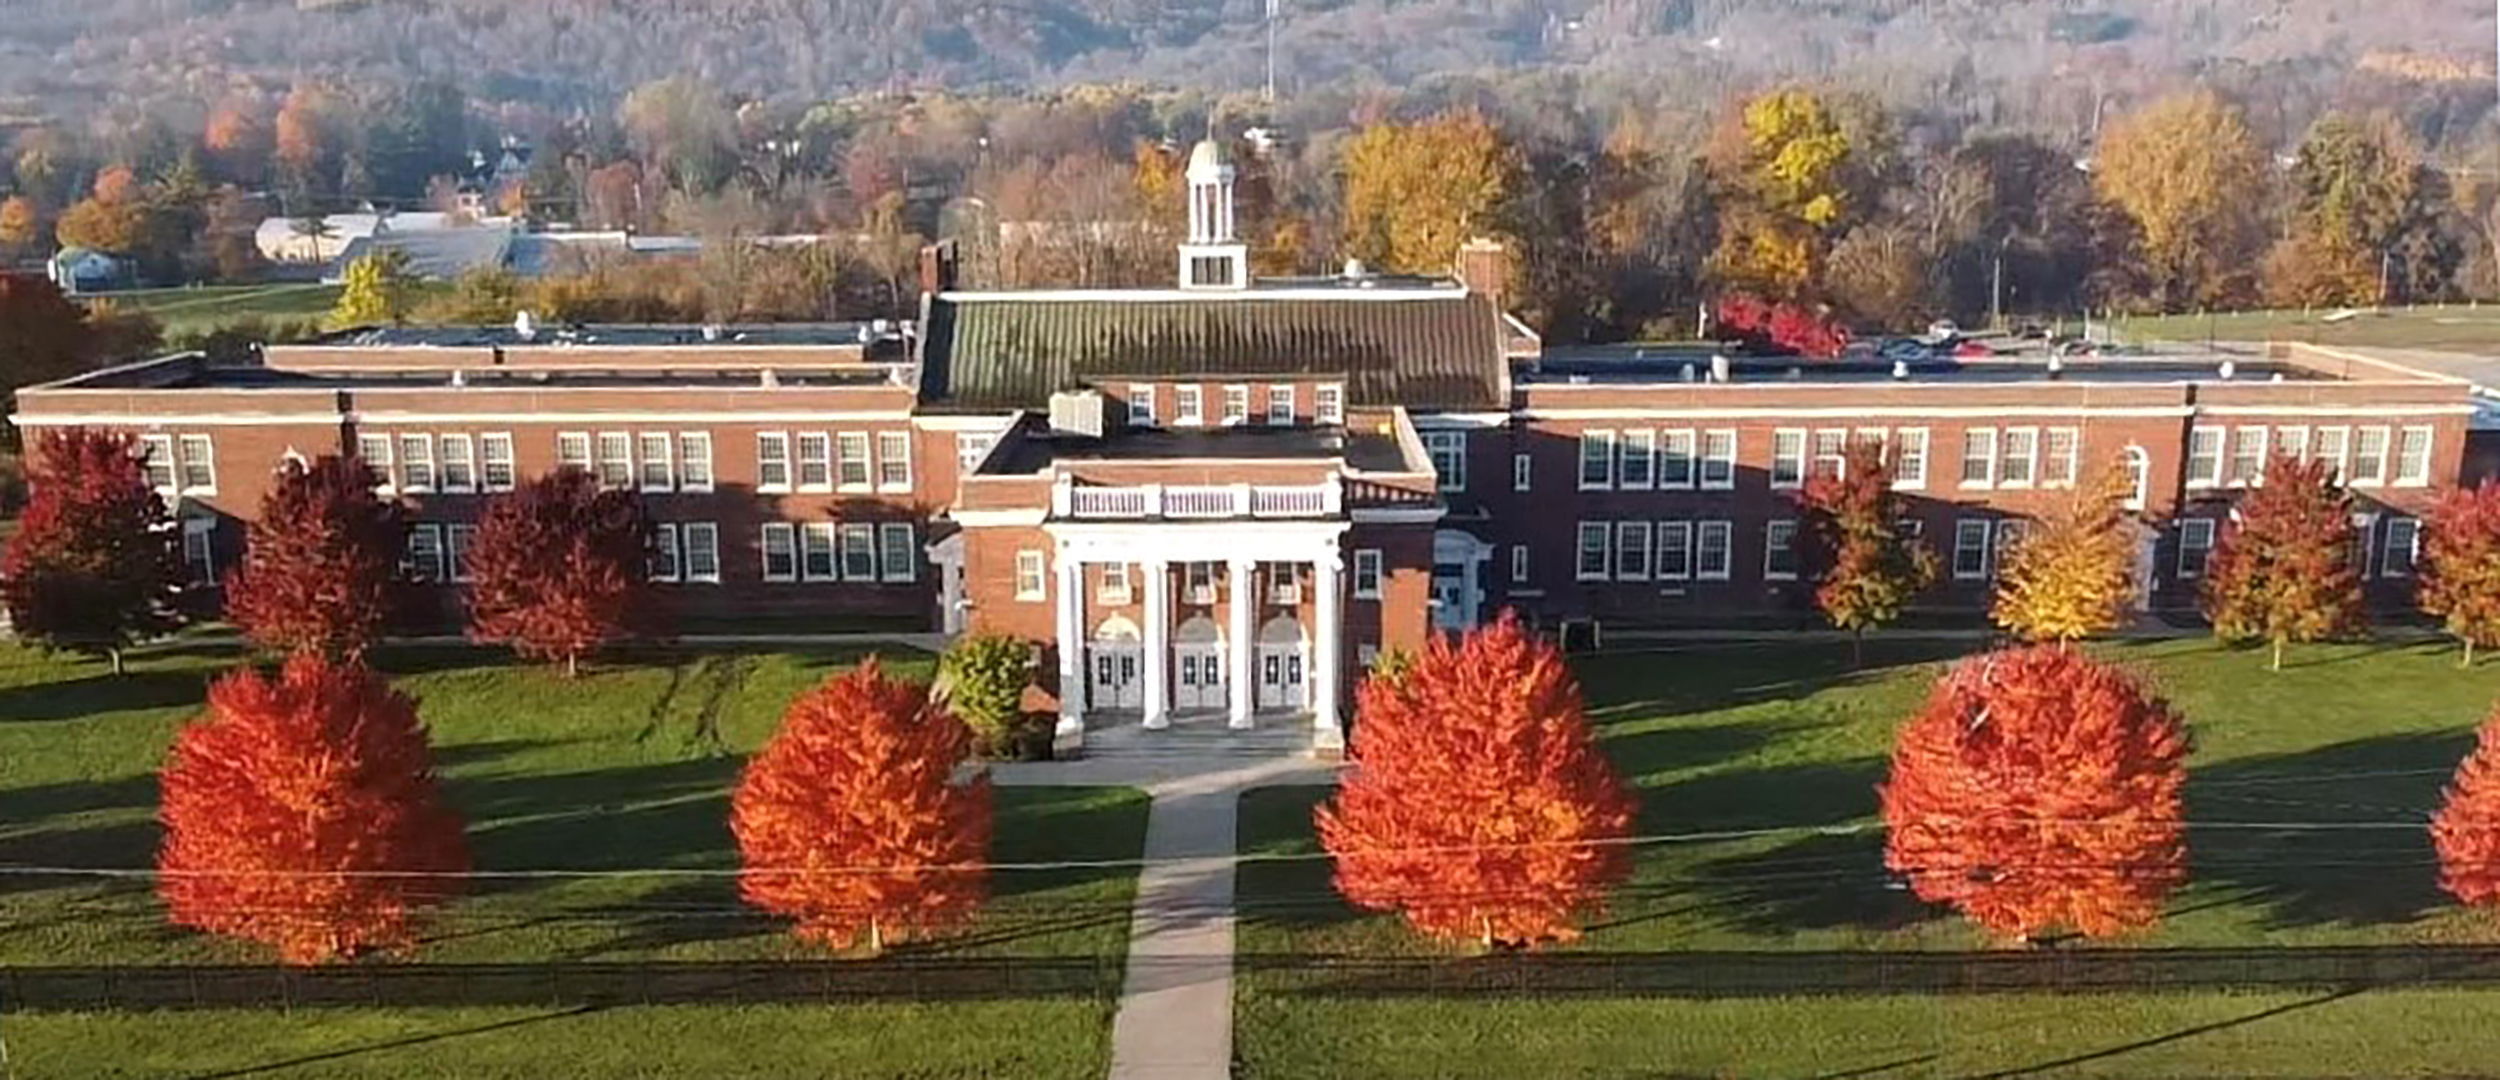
(2044,61)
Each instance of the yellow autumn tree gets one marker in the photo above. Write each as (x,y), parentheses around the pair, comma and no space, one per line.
(1160,180)
(1787,174)
(374,292)
(20,224)
(1414,192)
(2189,172)
(2070,576)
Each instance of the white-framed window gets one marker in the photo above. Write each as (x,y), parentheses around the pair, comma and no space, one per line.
(894,461)
(1595,551)
(1141,404)
(1367,574)
(1597,460)
(1280,403)
(1979,457)
(2057,470)
(1788,457)
(199,550)
(1970,549)
(1112,585)
(659,461)
(1448,451)
(2402,547)
(573,450)
(456,541)
(2139,466)
(859,552)
(416,463)
(817,557)
(664,562)
(424,558)
(1779,550)
(1284,582)
(2196,545)
(1718,459)
(459,463)
(1638,460)
(815,461)
(1831,452)
(2413,457)
(1675,458)
(198,463)
(2018,457)
(616,459)
(1675,550)
(1198,582)
(898,552)
(1032,581)
(1522,471)
(971,447)
(1632,551)
(772,461)
(1328,403)
(2369,456)
(1909,458)
(2248,457)
(702,552)
(1519,564)
(853,468)
(2204,460)
(694,460)
(2329,447)
(496,472)
(1714,550)
(156,457)
(1189,405)
(372,449)
(1236,404)
(781,551)
(2292,442)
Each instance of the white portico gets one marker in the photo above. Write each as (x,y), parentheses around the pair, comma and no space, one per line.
(1235,621)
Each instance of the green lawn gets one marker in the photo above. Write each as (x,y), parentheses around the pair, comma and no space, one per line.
(209,306)
(2455,326)
(626,768)
(1765,737)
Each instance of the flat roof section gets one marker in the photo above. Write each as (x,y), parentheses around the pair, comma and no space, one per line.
(637,335)
(1654,364)
(192,371)
(1040,448)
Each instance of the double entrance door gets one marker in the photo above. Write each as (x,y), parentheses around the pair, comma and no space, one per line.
(1281,678)
(1198,678)
(1117,679)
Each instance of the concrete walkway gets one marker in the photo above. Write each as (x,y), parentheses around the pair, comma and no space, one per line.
(1175,1020)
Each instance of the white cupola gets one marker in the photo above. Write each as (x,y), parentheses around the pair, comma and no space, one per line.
(1212,257)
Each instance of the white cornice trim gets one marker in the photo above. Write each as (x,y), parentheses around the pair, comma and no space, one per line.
(975,519)
(95,419)
(998,422)
(1372,294)
(1450,420)
(2335,410)
(679,417)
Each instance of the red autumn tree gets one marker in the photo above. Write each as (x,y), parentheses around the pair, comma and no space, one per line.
(556,565)
(1480,807)
(851,822)
(2037,789)
(2460,571)
(323,561)
(93,567)
(301,812)
(1868,568)
(2466,830)
(2283,570)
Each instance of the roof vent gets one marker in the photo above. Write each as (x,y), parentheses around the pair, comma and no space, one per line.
(2057,366)
(767,379)
(2229,369)
(1718,367)
(1900,369)
(1689,373)
(525,326)
(711,331)
(1077,412)
(459,378)
(1354,270)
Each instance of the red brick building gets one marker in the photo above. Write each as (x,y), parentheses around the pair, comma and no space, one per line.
(1215,503)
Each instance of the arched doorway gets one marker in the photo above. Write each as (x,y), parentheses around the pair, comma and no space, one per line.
(1284,661)
(1113,667)
(1457,579)
(1198,663)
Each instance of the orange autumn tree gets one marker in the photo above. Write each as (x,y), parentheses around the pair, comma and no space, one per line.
(1868,568)
(1480,807)
(850,820)
(2283,570)
(2460,572)
(2040,789)
(301,811)
(2466,830)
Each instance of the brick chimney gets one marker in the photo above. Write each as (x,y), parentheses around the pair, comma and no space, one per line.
(1484,267)
(937,267)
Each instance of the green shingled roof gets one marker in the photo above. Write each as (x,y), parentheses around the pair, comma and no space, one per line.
(1436,350)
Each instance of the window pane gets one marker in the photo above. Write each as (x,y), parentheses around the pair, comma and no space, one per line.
(702,552)
(894,459)
(1979,452)
(815,459)
(1788,458)
(416,462)
(1675,459)
(459,463)
(1718,459)
(695,465)
(854,458)
(1675,549)
(1593,541)
(1597,459)
(1638,449)
(656,473)
(859,552)
(616,459)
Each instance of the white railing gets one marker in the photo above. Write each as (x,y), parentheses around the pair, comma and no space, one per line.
(1198,501)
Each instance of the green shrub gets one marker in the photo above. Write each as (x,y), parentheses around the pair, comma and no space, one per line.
(982,677)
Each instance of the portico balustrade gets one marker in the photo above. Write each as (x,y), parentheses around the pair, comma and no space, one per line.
(1196,502)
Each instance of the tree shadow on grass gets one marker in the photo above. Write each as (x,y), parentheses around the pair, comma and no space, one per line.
(2311,876)
(1635,686)
(94,695)
(401,1043)
(1295,894)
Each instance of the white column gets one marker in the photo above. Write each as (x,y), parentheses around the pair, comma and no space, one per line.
(1245,599)
(1158,656)
(1326,732)
(1072,683)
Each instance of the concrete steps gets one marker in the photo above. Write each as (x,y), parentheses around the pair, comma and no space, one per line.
(1200,740)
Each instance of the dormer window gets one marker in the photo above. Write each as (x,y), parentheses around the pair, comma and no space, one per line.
(1236,404)
(1280,404)
(1141,405)
(1189,405)
(1210,272)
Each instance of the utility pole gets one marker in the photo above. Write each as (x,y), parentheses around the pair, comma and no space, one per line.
(1272,11)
